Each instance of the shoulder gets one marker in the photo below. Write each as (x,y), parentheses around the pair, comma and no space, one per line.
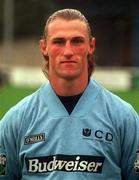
(22,108)
(109,97)
(115,105)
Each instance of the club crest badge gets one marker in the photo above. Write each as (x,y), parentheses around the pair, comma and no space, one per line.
(2,164)
(86,132)
(136,164)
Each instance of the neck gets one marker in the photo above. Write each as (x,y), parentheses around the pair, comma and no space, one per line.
(64,87)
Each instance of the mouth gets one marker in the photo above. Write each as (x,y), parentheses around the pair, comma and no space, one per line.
(68,62)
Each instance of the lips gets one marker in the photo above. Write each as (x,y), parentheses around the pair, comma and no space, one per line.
(68,62)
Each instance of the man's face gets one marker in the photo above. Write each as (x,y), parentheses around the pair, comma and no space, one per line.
(67,46)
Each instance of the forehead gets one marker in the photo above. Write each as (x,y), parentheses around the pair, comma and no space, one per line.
(62,27)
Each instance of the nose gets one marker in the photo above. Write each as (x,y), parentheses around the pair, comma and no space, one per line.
(68,51)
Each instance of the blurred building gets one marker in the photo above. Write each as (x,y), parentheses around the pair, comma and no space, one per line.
(115,25)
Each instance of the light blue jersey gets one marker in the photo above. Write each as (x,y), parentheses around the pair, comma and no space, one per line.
(99,140)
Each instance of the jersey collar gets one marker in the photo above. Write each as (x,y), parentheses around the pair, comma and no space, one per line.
(55,106)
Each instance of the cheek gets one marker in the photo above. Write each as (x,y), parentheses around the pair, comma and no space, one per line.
(82,51)
(82,55)
(53,57)
(53,51)
(56,52)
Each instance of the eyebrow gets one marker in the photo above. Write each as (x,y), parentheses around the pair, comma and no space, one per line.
(63,38)
(58,38)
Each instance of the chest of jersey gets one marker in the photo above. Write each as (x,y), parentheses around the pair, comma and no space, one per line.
(57,144)
(69,144)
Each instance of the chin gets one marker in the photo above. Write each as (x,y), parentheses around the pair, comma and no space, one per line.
(69,76)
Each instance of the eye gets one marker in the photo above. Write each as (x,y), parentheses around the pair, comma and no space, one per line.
(77,40)
(58,41)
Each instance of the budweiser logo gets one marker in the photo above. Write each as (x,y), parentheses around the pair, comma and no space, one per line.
(76,163)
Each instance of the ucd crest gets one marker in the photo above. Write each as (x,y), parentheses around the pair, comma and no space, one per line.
(87,132)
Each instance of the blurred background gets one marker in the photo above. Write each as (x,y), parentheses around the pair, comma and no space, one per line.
(115,25)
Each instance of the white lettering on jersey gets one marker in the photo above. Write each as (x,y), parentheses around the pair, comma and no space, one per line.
(79,163)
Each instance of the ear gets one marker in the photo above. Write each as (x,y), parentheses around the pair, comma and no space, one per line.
(43,47)
(92,46)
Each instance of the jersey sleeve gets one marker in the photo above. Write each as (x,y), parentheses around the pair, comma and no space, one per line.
(130,147)
(9,166)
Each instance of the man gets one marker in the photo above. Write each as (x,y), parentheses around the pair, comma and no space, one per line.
(71,128)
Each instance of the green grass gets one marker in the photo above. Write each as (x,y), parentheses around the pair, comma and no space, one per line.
(10,95)
(131,96)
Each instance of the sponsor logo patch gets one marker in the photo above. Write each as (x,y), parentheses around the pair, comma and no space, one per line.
(98,135)
(67,163)
(2,164)
(34,138)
